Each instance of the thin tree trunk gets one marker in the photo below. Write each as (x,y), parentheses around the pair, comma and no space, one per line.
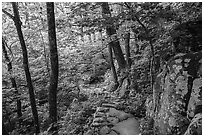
(114,44)
(137,46)
(94,37)
(112,66)
(13,81)
(89,37)
(82,33)
(100,34)
(52,98)
(127,51)
(26,67)
(135,18)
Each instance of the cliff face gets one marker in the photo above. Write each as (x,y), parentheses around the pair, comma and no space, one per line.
(176,106)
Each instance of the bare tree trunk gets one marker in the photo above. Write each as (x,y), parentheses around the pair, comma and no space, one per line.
(89,37)
(100,34)
(116,84)
(135,18)
(52,98)
(26,67)
(94,37)
(137,46)
(127,49)
(13,81)
(114,44)
(127,52)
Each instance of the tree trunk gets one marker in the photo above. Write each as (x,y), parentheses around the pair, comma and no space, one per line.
(89,37)
(127,52)
(137,46)
(100,35)
(82,33)
(26,67)
(115,78)
(135,18)
(52,98)
(94,37)
(152,68)
(127,49)
(13,81)
(114,44)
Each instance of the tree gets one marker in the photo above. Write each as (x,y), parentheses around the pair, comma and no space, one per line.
(110,30)
(127,52)
(149,38)
(18,24)
(52,98)
(12,78)
(115,77)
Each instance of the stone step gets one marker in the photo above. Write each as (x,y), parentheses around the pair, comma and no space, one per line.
(119,114)
(102,109)
(104,130)
(130,126)
(99,114)
(99,119)
(96,124)
(109,105)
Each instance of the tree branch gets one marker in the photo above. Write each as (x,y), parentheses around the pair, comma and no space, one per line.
(135,17)
(8,14)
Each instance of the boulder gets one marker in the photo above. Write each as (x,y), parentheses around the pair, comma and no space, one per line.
(113,120)
(130,126)
(105,130)
(121,115)
(177,95)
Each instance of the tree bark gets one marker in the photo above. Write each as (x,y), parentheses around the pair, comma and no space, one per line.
(94,37)
(13,81)
(137,46)
(127,52)
(127,49)
(52,98)
(26,67)
(89,37)
(111,31)
(115,78)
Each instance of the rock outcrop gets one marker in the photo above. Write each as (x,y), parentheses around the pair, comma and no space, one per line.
(176,106)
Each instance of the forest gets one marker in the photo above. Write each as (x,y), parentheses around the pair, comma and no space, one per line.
(101,68)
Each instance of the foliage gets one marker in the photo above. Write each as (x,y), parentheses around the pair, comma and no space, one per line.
(83,56)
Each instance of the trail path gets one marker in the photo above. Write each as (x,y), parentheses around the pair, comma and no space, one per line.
(110,121)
